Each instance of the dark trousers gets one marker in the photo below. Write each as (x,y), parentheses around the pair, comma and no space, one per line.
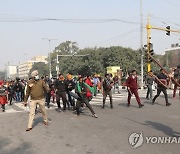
(85,101)
(174,91)
(135,92)
(3,107)
(48,98)
(149,91)
(10,97)
(159,90)
(64,99)
(105,93)
(22,95)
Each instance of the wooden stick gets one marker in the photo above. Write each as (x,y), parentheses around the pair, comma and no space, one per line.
(175,82)
(151,74)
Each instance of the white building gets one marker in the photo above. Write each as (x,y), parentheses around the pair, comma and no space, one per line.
(11,72)
(24,68)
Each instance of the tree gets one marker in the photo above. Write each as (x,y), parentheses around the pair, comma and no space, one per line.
(67,47)
(41,67)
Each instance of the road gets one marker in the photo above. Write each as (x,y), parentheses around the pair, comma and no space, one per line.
(108,134)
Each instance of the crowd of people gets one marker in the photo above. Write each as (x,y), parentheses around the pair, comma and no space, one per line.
(77,92)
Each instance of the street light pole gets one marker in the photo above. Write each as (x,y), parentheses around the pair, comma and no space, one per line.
(49,55)
(141,43)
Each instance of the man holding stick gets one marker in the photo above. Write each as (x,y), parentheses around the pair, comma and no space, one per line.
(132,87)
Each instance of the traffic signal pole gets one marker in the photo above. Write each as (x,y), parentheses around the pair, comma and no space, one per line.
(148,28)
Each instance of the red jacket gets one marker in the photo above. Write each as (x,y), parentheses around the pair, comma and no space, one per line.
(88,81)
(132,82)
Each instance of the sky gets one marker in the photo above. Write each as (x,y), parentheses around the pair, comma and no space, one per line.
(22,30)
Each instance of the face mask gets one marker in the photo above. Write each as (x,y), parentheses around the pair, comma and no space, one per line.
(36,77)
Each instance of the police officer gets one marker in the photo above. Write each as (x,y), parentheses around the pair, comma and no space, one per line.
(35,89)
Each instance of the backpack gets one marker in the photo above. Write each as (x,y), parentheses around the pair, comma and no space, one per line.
(107,84)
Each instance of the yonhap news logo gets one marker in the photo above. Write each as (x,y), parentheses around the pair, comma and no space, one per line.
(137,139)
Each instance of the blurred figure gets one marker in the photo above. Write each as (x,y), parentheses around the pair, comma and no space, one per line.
(177,78)
(96,84)
(48,82)
(3,96)
(106,90)
(116,80)
(70,87)
(89,82)
(149,82)
(10,92)
(18,87)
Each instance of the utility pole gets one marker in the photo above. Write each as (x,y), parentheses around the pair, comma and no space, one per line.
(141,43)
(49,55)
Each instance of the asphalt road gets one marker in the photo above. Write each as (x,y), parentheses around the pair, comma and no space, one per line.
(108,134)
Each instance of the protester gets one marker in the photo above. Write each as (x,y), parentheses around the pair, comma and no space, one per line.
(70,86)
(10,92)
(48,94)
(3,96)
(107,86)
(18,87)
(149,83)
(132,87)
(177,78)
(164,79)
(60,86)
(116,80)
(96,83)
(81,90)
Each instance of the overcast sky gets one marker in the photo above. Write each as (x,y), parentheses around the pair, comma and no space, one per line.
(21,28)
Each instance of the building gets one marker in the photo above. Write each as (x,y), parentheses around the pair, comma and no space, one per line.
(172,56)
(24,68)
(11,72)
(114,70)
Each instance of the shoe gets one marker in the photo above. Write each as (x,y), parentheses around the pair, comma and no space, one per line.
(168,104)
(147,98)
(59,110)
(153,102)
(45,123)
(103,106)
(111,106)
(28,129)
(3,110)
(95,116)
(48,106)
(141,105)
(128,105)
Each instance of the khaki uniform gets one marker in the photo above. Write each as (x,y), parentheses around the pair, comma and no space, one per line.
(36,89)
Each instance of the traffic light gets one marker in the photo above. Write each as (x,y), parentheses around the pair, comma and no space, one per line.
(145,52)
(151,52)
(168,30)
